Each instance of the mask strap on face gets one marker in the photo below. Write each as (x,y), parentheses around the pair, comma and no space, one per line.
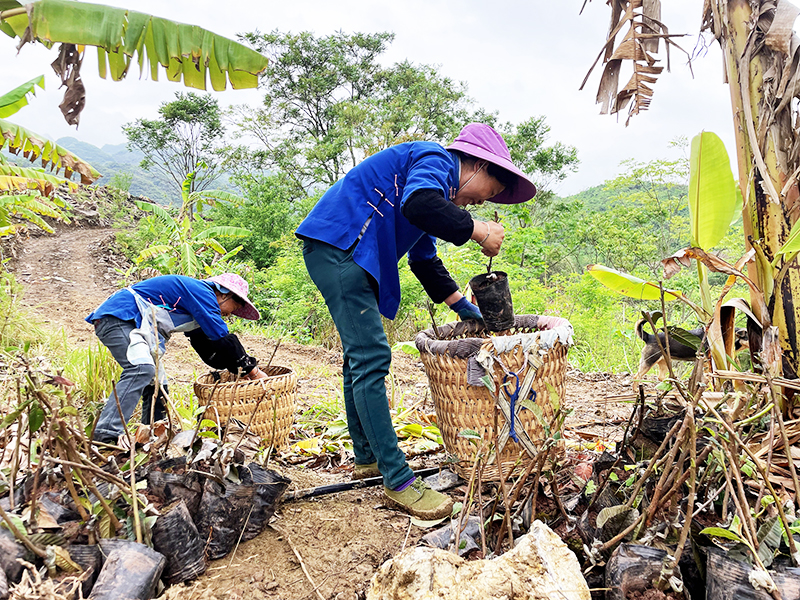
(472,176)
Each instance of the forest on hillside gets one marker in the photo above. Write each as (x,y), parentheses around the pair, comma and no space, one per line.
(236,184)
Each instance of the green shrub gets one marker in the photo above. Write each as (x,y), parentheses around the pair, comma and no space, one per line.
(290,303)
(17,330)
(268,212)
(121,180)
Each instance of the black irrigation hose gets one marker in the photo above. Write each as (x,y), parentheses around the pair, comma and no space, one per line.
(335,488)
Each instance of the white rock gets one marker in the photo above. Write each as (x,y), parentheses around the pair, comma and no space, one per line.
(540,566)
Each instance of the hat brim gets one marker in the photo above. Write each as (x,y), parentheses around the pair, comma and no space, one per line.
(524,189)
(248,311)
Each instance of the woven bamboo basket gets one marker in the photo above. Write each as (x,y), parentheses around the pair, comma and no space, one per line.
(272,399)
(460,406)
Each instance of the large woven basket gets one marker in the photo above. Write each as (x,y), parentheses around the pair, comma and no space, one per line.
(460,406)
(272,399)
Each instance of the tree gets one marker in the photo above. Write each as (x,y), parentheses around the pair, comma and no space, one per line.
(313,103)
(329,103)
(761,63)
(649,202)
(185,139)
(545,165)
(266,211)
(415,102)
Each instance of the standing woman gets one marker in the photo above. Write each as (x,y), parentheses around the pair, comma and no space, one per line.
(397,202)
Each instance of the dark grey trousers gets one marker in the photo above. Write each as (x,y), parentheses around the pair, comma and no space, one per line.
(136,381)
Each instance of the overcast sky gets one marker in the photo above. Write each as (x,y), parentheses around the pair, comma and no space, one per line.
(519,58)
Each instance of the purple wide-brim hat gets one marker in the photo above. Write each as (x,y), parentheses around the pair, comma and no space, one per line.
(481,141)
(234,283)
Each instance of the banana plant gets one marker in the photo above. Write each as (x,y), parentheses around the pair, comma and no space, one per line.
(713,200)
(185,252)
(26,194)
(193,201)
(30,208)
(712,204)
(760,62)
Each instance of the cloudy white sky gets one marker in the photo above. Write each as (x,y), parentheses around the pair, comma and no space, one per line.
(520,58)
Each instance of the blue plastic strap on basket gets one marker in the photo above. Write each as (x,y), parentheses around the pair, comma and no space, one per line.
(512,400)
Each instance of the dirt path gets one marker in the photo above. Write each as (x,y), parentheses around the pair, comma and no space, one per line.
(64,277)
(341,538)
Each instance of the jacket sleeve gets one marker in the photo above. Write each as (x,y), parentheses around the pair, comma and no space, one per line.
(428,210)
(200,301)
(224,353)
(430,270)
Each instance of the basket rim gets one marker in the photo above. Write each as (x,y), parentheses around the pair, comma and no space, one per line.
(457,338)
(203,381)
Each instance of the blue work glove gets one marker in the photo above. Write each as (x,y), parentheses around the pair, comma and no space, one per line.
(467,310)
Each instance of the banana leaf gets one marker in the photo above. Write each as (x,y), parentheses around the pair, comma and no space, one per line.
(222,231)
(11,183)
(186,187)
(189,264)
(231,254)
(27,207)
(219,195)
(38,205)
(13,26)
(17,139)
(161,213)
(215,246)
(36,175)
(152,251)
(629,285)
(187,52)
(12,101)
(32,217)
(712,191)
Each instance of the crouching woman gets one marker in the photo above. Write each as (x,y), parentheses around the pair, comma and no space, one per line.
(136,322)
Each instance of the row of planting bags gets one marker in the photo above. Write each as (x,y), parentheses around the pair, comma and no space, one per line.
(202,519)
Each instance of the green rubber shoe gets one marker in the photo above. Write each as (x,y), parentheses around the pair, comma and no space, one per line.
(366,471)
(420,501)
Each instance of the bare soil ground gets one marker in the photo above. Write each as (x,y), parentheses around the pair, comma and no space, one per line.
(341,538)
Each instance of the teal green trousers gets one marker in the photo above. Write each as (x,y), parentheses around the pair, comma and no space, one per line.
(353,305)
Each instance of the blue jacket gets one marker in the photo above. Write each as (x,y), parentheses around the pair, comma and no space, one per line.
(372,195)
(186,298)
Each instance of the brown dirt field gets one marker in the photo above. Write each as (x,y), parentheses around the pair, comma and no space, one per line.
(342,538)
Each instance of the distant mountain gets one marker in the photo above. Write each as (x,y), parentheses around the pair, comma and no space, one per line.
(117,160)
(121,152)
(600,198)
